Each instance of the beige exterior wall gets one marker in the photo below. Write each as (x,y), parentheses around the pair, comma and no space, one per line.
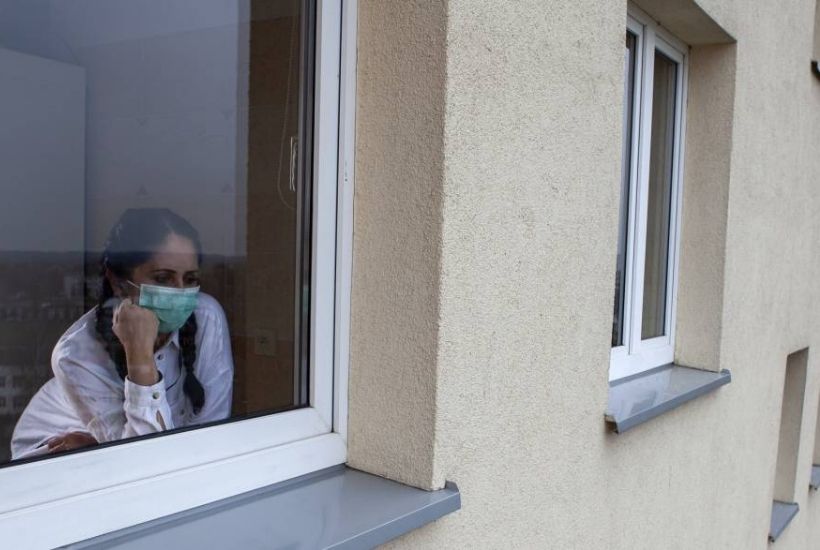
(487,177)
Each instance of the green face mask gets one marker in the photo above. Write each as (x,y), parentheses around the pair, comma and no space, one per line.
(172,306)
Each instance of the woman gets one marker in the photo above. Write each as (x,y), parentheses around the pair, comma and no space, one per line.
(153,355)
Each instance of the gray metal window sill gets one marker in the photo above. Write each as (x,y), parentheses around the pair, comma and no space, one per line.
(636,399)
(782,514)
(814,482)
(338,508)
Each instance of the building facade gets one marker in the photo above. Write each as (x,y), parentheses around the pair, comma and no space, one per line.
(563,255)
(491,323)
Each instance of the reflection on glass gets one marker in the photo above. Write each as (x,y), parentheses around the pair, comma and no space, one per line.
(660,198)
(147,152)
(626,155)
(154,354)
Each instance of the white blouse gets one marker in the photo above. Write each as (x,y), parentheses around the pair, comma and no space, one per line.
(88,395)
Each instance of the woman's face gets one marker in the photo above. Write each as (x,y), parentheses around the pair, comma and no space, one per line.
(173,265)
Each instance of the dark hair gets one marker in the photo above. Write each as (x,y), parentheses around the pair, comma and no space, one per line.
(132,241)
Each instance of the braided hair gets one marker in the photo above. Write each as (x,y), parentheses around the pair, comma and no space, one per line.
(132,242)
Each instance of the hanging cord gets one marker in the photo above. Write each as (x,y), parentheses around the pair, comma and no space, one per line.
(291,172)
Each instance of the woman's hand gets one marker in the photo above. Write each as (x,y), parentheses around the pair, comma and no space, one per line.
(137,328)
(70,441)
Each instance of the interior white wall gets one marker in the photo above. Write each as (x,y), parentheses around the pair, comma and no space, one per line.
(167,105)
(42,153)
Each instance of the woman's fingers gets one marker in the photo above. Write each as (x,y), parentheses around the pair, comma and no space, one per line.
(116,316)
(70,441)
(77,440)
(136,327)
(126,302)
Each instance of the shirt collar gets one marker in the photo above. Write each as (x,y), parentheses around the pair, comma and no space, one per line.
(174,339)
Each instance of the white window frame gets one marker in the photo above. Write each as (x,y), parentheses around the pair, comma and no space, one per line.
(69,498)
(637,355)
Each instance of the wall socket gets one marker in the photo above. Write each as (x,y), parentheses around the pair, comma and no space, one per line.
(264,342)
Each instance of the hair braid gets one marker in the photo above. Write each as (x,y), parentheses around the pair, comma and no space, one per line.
(187,342)
(104,324)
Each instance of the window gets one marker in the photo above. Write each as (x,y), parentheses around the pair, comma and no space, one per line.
(791,423)
(815,59)
(784,505)
(236,117)
(643,329)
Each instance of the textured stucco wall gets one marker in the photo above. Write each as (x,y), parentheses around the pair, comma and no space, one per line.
(486,224)
(396,248)
(706,179)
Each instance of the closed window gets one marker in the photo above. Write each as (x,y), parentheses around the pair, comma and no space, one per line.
(643,328)
(171,259)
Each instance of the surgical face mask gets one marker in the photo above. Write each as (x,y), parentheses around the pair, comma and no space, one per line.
(172,306)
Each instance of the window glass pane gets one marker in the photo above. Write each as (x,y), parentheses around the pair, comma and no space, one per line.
(620,268)
(660,198)
(147,149)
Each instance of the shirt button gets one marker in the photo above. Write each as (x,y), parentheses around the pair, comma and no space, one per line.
(155,395)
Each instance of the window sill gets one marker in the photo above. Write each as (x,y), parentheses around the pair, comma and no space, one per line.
(636,399)
(814,482)
(782,514)
(337,508)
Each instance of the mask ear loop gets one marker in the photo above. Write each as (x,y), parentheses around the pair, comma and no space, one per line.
(135,285)
(114,301)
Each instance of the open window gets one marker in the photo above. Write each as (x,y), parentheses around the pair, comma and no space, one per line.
(643,329)
(228,115)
